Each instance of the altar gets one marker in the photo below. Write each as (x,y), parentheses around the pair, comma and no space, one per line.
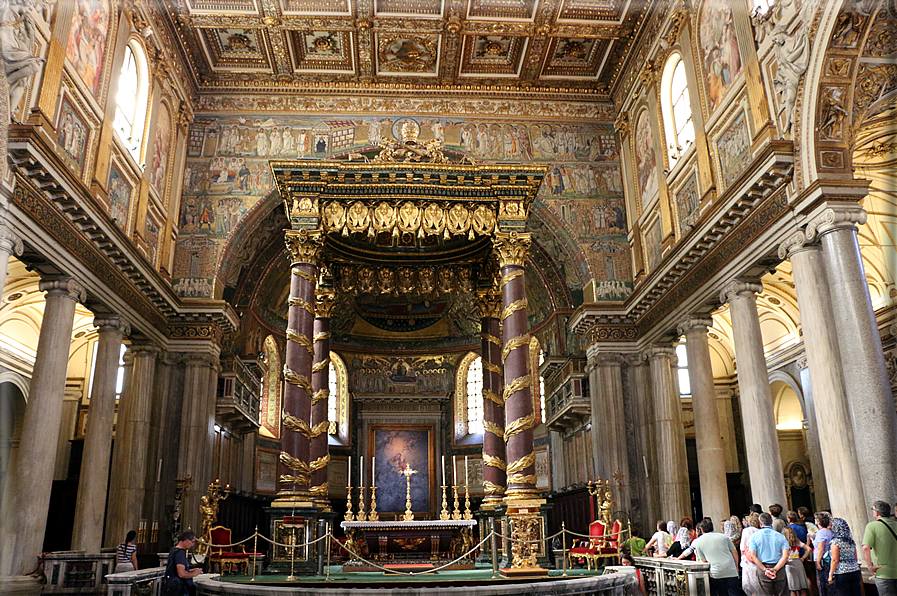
(417,542)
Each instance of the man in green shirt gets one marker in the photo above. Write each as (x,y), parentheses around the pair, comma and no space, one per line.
(635,545)
(880,542)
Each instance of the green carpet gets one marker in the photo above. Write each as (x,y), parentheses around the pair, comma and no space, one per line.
(482,574)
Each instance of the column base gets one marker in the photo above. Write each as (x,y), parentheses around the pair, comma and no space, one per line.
(294,524)
(523,572)
(488,517)
(535,512)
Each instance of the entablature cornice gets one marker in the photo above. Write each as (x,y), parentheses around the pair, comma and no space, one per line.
(749,207)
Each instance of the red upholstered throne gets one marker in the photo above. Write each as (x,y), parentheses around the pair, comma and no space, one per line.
(610,547)
(588,549)
(231,559)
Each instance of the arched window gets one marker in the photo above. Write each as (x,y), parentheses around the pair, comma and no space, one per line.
(475,397)
(131,100)
(338,401)
(468,400)
(680,130)
(684,380)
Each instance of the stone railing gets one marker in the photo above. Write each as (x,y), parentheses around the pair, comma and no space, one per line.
(671,577)
(74,572)
(145,582)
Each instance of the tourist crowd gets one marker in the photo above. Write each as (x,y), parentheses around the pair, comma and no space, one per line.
(766,553)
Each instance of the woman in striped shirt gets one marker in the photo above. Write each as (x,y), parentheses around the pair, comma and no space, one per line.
(126,554)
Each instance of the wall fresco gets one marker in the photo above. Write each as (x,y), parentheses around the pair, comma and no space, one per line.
(719,49)
(226,173)
(645,158)
(734,150)
(161,148)
(72,135)
(87,41)
(687,203)
(119,198)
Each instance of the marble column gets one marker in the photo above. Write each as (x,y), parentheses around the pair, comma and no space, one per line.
(839,451)
(494,462)
(642,402)
(609,423)
(320,384)
(708,436)
(130,455)
(294,477)
(669,438)
(759,422)
(811,430)
(40,428)
(90,508)
(196,454)
(10,244)
(520,419)
(868,389)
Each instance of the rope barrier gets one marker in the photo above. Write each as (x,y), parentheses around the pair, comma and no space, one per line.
(410,573)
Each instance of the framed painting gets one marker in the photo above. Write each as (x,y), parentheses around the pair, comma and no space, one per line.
(72,134)
(398,447)
(733,148)
(266,470)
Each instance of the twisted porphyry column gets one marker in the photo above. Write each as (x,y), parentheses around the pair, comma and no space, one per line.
(304,247)
(320,385)
(521,496)
(495,478)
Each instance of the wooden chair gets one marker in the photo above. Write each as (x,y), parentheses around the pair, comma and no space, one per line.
(231,559)
(589,549)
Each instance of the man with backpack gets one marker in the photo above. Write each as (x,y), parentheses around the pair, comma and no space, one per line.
(880,540)
(178,575)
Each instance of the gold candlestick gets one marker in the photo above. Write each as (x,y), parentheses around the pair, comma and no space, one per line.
(349,515)
(409,516)
(444,514)
(361,516)
(467,512)
(456,514)
(373,515)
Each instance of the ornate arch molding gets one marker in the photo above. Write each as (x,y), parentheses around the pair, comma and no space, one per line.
(19,381)
(779,375)
(848,76)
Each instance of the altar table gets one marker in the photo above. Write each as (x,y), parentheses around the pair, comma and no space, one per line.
(410,542)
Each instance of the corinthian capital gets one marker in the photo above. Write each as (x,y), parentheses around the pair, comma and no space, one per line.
(511,247)
(660,351)
(692,322)
(606,359)
(740,287)
(64,286)
(833,218)
(325,300)
(304,245)
(488,305)
(10,242)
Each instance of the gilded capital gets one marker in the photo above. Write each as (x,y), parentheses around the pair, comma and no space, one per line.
(304,245)
(740,287)
(488,304)
(511,248)
(833,218)
(112,323)
(692,322)
(325,300)
(794,243)
(66,287)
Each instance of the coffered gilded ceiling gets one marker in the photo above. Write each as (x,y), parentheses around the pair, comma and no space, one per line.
(526,46)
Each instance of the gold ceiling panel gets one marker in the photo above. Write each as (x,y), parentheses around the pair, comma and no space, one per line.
(592,10)
(223,6)
(520,10)
(409,8)
(575,57)
(322,51)
(563,48)
(492,55)
(236,48)
(317,7)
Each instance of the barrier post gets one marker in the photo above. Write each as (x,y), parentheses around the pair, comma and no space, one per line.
(494,556)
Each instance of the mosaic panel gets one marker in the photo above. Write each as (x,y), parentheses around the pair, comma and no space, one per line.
(734,150)
(119,197)
(688,200)
(72,134)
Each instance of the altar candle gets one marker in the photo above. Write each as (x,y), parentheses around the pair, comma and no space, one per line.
(374,470)
(465,470)
(349,475)
(454,471)
(443,471)
(361,472)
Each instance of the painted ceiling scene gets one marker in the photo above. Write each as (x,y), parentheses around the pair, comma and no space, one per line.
(524,45)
